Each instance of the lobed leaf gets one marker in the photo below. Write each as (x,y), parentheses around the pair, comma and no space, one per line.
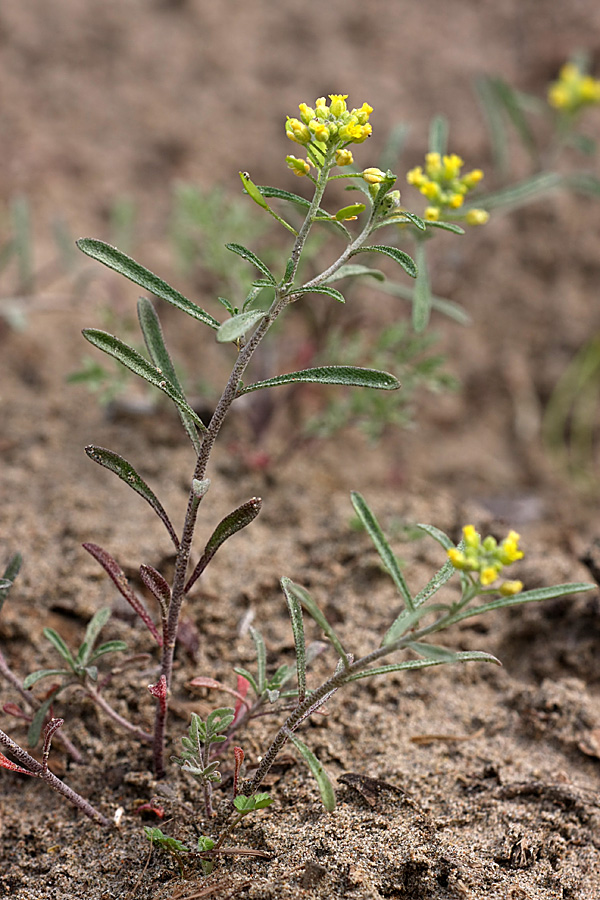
(128,474)
(348,376)
(382,546)
(114,259)
(319,773)
(137,364)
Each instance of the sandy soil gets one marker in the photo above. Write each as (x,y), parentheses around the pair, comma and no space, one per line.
(487,779)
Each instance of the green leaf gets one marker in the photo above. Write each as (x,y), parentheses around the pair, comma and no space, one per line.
(381,545)
(251,257)
(10,573)
(155,836)
(37,723)
(422,294)
(239,670)
(120,262)
(349,376)
(438,135)
(58,643)
(134,361)
(546,593)
(109,647)
(153,336)
(446,307)
(304,598)
(350,212)
(463,656)
(115,463)
(399,256)
(261,659)
(253,191)
(319,773)
(280,194)
(517,194)
(234,328)
(295,611)
(404,621)
(92,632)
(34,677)
(354,271)
(249,804)
(437,535)
(431,651)
(447,226)
(227,527)
(323,289)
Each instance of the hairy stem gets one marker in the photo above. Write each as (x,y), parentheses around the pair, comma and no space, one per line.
(38,770)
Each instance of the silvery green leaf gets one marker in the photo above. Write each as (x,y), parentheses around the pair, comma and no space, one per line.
(319,773)
(348,376)
(237,326)
(120,262)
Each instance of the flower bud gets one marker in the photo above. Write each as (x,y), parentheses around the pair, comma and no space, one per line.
(343,158)
(297,131)
(338,104)
(476,217)
(299,167)
(373,175)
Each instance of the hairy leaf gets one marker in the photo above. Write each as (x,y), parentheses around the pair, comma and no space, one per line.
(382,546)
(136,363)
(399,256)
(295,610)
(226,528)
(114,259)
(349,376)
(234,328)
(319,773)
(251,257)
(128,474)
(304,598)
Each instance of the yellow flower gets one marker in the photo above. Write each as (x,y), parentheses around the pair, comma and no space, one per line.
(306,113)
(472,178)
(455,201)
(477,217)
(416,177)
(470,535)
(433,164)
(573,90)
(299,167)
(343,158)
(320,130)
(488,575)
(432,213)
(297,131)
(457,558)
(373,175)
(338,104)
(452,166)
(510,588)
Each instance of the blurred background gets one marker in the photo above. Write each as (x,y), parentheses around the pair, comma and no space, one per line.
(129,121)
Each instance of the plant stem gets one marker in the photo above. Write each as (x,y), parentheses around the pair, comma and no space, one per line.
(55,783)
(114,715)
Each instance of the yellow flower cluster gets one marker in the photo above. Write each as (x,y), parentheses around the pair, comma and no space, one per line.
(323,126)
(573,90)
(488,557)
(445,187)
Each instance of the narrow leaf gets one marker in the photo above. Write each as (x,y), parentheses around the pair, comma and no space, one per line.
(298,631)
(386,553)
(117,576)
(261,660)
(349,376)
(437,535)
(108,647)
(10,573)
(6,763)
(354,271)
(463,656)
(94,628)
(156,584)
(402,258)
(431,651)
(319,773)
(59,645)
(518,194)
(404,621)
(234,328)
(136,363)
(153,336)
(546,593)
(280,194)
(34,677)
(438,135)
(128,474)
(226,528)
(239,670)
(422,294)
(304,598)
(120,262)
(251,257)
(447,226)
(324,289)
(408,619)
